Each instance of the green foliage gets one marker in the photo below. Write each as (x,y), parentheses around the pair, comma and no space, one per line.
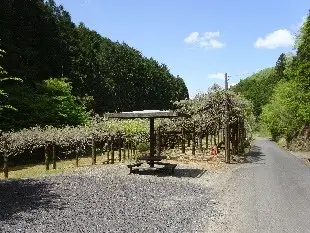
(50,103)
(258,88)
(302,63)
(3,95)
(280,67)
(283,115)
(143,146)
(42,42)
(58,106)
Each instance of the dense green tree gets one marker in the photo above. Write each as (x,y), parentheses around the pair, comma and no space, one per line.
(42,42)
(285,113)
(302,62)
(280,67)
(5,81)
(49,103)
(258,88)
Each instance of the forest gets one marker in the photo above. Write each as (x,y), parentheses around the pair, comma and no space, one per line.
(54,72)
(281,94)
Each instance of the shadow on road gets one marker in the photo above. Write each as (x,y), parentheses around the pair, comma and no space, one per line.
(253,156)
(24,196)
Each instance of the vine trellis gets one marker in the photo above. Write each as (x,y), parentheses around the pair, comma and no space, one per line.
(126,138)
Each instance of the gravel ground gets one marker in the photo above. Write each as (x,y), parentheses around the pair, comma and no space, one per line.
(107,199)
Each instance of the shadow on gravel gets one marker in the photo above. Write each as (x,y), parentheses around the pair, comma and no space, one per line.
(24,196)
(254,156)
(178,172)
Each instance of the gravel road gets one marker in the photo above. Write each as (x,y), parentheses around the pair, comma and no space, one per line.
(269,193)
(107,199)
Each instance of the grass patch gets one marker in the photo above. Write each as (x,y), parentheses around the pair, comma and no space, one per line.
(62,167)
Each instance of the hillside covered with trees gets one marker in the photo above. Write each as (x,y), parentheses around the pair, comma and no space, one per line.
(70,71)
(281,94)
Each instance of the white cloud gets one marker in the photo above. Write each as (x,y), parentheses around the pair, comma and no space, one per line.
(205,40)
(192,38)
(276,39)
(217,76)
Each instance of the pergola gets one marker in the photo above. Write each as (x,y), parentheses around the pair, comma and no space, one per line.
(150,114)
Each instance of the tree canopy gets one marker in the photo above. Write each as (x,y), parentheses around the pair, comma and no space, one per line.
(42,42)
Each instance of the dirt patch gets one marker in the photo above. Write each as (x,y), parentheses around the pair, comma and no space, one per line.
(199,160)
(301,154)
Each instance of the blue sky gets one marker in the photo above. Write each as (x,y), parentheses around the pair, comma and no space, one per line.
(199,39)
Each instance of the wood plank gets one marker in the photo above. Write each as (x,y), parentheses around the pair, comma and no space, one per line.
(146,114)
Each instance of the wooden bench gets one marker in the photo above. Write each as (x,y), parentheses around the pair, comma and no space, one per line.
(168,167)
(131,166)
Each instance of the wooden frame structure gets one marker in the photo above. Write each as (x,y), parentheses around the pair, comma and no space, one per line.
(150,114)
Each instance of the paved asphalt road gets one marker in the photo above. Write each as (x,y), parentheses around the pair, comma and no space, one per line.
(269,193)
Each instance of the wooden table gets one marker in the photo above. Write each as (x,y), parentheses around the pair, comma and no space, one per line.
(150,114)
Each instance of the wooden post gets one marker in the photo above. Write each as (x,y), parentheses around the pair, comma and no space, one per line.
(5,165)
(233,138)
(193,143)
(158,148)
(227,129)
(120,149)
(112,152)
(128,150)
(54,156)
(77,157)
(47,162)
(238,136)
(188,141)
(207,141)
(241,136)
(124,151)
(93,151)
(152,137)
(108,152)
(183,141)
(200,142)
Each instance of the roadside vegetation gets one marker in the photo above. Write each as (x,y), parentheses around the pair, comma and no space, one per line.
(281,95)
